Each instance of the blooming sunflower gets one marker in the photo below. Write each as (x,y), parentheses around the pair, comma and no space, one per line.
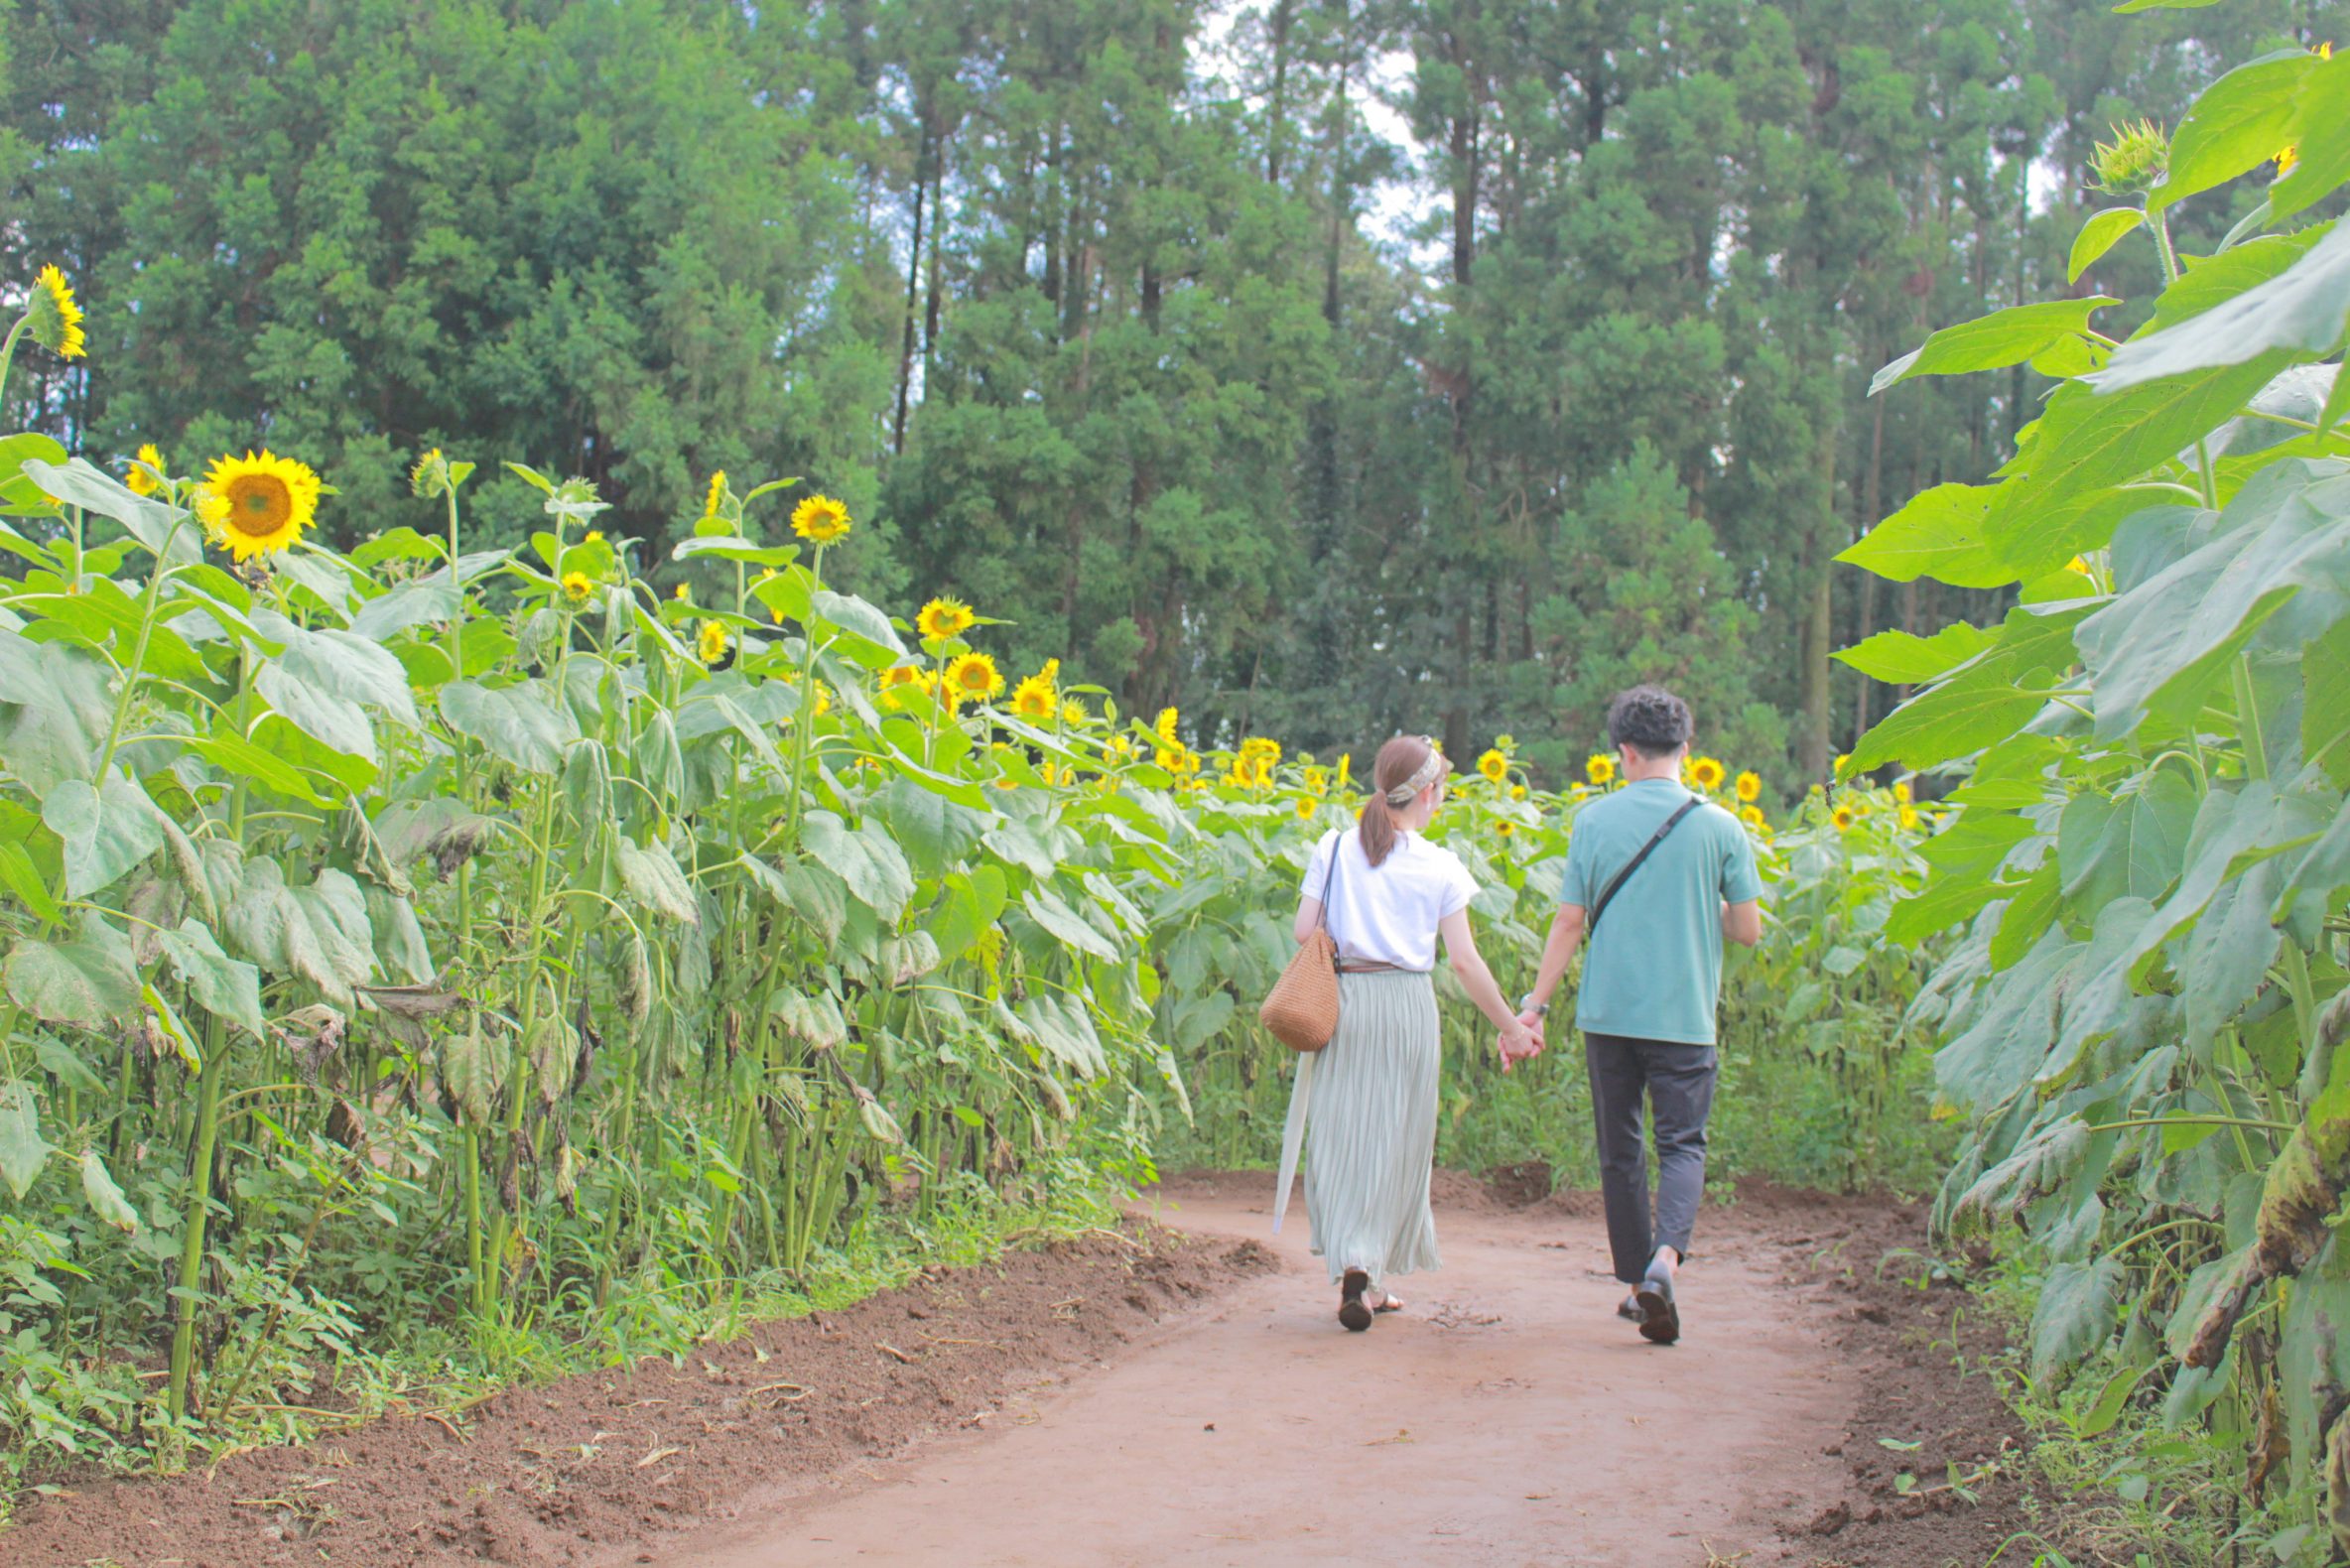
(1752,817)
(1120,746)
(1505,830)
(974,678)
(578,586)
(146,476)
(1600,768)
(1902,792)
(52,318)
(819,519)
(1073,713)
(1494,765)
(717,494)
(1707,773)
(944,618)
(595,536)
(258,506)
(711,642)
(684,592)
(1843,817)
(1749,786)
(1164,729)
(1035,699)
(1909,818)
(1317,782)
(1306,807)
(1517,791)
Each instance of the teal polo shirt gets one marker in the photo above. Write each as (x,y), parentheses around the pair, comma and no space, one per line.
(1653,970)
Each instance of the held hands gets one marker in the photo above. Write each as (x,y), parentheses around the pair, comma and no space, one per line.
(1521,1040)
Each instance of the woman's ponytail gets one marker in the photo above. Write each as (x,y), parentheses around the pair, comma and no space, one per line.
(1406,765)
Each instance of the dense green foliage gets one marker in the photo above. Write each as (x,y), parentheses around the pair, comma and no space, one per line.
(2150,858)
(1082,304)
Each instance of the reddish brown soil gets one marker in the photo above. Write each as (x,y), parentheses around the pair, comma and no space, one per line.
(583,1469)
(1060,1409)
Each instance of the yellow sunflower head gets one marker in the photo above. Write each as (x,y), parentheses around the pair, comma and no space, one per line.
(1752,816)
(1706,773)
(1600,768)
(52,318)
(944,618)
(1120,746)
(1306,807)
(1164,729)
(974,678)
(716,498)
(429,476)
(1505,829)
(258,506)
(685,593)
(593,535)
(820,701)
(1317,782)
(1843,817)
(1750,786)
(819,519)
(1034,698)
(147,476)
(577,586)
(1517,791)
(1902,792)
(1494,765)
(1909,817)
(1345,761)
(711,642)
(1073,713)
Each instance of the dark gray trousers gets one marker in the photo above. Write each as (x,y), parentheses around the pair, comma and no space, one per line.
(1678,1082)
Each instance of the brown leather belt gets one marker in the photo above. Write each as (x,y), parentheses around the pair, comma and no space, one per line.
(1370,966)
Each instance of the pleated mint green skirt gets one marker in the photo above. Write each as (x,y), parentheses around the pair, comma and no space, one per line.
(1370,1128)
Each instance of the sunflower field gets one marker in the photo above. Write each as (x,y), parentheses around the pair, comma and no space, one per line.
(418,940)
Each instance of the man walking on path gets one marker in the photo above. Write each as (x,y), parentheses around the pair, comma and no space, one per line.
(1657,879)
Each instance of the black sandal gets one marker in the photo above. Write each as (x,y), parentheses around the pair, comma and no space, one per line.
(1350,1310)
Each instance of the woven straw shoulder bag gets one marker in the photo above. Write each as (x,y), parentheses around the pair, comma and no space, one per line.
(1302,1010)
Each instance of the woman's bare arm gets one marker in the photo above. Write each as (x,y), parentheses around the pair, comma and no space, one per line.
(1469,966)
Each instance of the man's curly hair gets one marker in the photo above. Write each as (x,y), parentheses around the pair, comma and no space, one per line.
(1651,721)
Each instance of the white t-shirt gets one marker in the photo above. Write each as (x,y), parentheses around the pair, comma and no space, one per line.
(1389,913)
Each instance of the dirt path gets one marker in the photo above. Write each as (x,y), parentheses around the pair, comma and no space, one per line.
(1508,1418)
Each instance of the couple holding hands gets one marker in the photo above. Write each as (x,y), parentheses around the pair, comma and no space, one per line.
(1673,877)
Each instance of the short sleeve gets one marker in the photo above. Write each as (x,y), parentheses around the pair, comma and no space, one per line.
(1459,887)
(1742,881)
(1576,886)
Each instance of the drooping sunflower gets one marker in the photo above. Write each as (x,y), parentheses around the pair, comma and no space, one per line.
(258,506)
(577,586)
(944,618)
(819,519)
(146,473)
(1707,773)
(1843,817)
(1749,786)
(1164,729)
(717,497)
(52,315)
(1494,765)
(1600,768)
(711,642)
(973,677)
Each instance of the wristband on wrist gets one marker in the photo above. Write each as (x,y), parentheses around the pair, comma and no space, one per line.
(1525,1005)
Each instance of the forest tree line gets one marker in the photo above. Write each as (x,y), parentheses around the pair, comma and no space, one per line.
(1090,310)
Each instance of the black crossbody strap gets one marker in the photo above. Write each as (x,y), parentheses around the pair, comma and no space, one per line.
(1609,892)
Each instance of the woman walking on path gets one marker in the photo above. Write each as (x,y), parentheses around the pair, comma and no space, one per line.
(1370,1094)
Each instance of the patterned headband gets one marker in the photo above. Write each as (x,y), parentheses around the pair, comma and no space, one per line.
(1426,774)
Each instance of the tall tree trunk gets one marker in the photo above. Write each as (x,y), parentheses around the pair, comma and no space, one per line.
(905,353)
(1277,108)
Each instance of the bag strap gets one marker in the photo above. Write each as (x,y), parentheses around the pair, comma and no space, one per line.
(1329,877)
(1609,892)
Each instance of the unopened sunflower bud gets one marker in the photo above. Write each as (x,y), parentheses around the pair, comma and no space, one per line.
(2134,162)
